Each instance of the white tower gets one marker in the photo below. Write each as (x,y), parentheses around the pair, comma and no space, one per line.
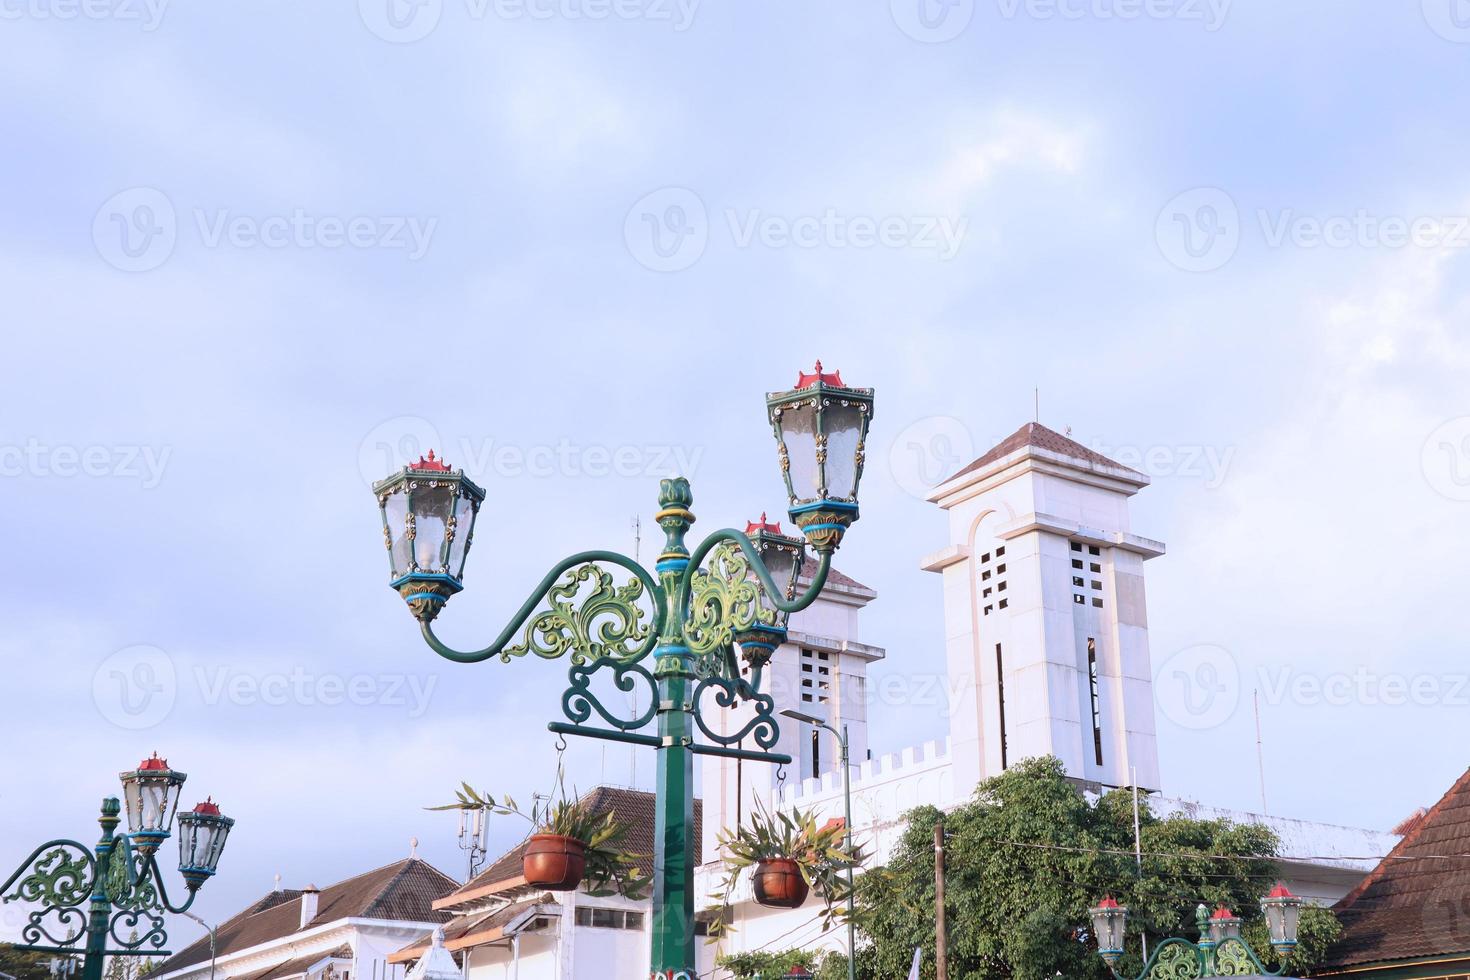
(821,670)
(1046,627)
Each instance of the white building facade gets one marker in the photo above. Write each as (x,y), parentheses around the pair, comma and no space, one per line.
(1047,650)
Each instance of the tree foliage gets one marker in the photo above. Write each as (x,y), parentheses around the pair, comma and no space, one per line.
(1026,859)
(25,964)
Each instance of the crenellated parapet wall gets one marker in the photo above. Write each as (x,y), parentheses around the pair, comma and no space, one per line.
(883,790)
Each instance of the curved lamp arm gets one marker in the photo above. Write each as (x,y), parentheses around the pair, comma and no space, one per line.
(777,596)
(150,869)
(539,593)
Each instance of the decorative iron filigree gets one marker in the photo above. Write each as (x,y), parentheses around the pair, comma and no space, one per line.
(724,598)
(58,876)
(578,703)
(728,694)
(1233,958)
(606,623)
(129,884)
(1176,960)
(125,934)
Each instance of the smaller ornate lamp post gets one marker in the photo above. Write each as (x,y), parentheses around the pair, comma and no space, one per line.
(1220,952)
(85,899)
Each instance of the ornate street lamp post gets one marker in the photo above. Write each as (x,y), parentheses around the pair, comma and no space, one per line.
(1220,951)
(113,894)
(731,590)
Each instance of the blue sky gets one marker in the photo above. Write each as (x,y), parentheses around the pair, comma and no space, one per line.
(249,247)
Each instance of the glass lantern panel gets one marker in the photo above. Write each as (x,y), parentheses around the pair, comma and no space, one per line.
(780,562)
(799,433)
(464,521)
(214,843)
(395,510)
(156,799)
(133,799)
(189,834)
(431,509)
(844,427)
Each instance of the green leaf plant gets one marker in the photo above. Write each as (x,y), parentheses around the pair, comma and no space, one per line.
(820,853)
(611,870)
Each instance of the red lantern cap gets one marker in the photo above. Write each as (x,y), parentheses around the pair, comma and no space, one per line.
(154,764)
(1223,913)
(751,527)
(1280,891)
(431,464)
(804,380)
(1108,903)
(208,807)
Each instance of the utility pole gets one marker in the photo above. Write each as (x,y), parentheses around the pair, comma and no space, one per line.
(941,964)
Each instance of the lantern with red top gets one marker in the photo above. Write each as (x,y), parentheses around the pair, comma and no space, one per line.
(151,793)
(783,556)
(821,427)
(1224,925)
(1282,910)
(1108,920)
(428,512)
(202,834)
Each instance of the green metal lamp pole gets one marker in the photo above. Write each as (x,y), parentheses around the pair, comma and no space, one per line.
(698,617)
(95,901)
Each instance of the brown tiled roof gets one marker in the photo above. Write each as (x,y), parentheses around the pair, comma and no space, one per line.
(633,807)
(405,890)
(834,577)
(1037,435)
(1413,904)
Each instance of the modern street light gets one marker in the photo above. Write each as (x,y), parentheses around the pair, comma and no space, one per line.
(116,887)
(1220,950)
(841,737)
(690,619)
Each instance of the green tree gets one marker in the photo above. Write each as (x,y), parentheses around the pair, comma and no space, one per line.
(27,965)
(1028,856)
(129,967)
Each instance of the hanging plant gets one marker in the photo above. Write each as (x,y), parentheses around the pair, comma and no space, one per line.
(569,844)
(789,857)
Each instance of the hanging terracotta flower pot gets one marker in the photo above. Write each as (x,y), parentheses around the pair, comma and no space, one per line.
(779,884)
(554,862)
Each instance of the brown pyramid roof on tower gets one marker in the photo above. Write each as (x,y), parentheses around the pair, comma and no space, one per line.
(1038,436)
